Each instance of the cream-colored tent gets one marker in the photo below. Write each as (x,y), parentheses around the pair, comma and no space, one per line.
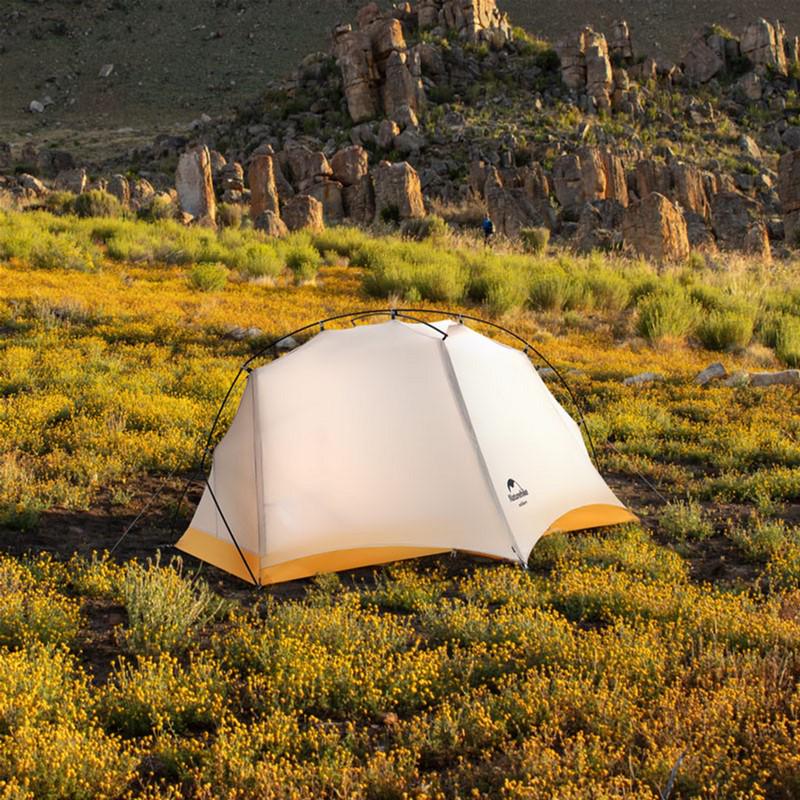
(389,441)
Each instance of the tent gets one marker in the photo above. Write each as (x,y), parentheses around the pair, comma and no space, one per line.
(389,441)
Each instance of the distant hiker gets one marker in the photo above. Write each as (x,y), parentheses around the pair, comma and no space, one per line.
(488,229)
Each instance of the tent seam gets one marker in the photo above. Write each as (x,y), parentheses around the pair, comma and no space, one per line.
(257,471)
(484,467)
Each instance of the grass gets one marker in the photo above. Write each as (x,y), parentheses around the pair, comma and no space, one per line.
(587,675)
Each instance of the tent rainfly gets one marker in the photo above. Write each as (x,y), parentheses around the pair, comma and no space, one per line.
(389,441)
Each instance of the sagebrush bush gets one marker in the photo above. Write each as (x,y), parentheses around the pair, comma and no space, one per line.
(165,607)
(725,330)
(685,521)
(303,259)
(535,240)
(229,215)
(208,277)
(97,203)
(666,315)
(430,227)
(787,341)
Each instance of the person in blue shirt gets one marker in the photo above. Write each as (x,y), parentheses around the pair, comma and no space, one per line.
(488,229)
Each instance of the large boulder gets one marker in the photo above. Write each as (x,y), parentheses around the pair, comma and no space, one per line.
(329,193)
(350,165)
(397,191)
(303,211)
(571,51)
(689,188)
(789,192)
(656,229)
(270,223)
(306,166)
(194,184)
(359,201)
(738,224)
(599,75)
(120,187)
(72,180)
(762,44)
(353,50)
(702,62)
(473,20)
(513,208)
(588,175)
(263,191)
(619,44)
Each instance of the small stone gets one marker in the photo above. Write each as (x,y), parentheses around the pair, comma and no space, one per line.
(289,343)
(787,377)
(710,373)
(239,334)
(643,377)
(106,70)
(36,107)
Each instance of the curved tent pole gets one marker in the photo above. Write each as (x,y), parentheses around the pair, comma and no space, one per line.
(354,316)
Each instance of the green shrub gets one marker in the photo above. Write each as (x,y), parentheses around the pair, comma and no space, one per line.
(787,341)
(535,240)
(256,260)
(430,227)
(229,215)
(725,330)
(763,539)
(610,292)
(666,314)
(208,277)
(60,202)
(684,521)
(97,203)
(60,252)
(161,207)
(164,607)
(416,272)
(303,259)
(553,290)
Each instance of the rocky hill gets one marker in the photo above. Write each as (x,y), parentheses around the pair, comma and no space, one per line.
(173,61)
(445,105)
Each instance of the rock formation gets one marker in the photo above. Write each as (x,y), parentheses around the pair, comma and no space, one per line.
(195,186)
(263,191)
(303,211)
(379,72)
(397,191)
(655,228)
(789,191)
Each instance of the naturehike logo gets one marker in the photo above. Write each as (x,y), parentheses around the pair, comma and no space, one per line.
(515,491)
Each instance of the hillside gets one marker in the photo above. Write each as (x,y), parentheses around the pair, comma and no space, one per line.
(174,61)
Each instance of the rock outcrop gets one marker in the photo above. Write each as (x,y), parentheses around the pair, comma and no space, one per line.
(195,185)
(738,224)
(473,20)
(263,191)
(586,66)
(379,72)
(762,44)
(656,229)
(789,191)
(303,211)
(397,191)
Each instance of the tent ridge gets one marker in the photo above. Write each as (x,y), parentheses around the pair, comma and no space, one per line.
(453,379)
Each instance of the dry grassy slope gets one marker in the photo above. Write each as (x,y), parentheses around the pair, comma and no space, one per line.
(176,59)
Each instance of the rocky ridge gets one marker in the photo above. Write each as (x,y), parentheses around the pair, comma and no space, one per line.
(445,103)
